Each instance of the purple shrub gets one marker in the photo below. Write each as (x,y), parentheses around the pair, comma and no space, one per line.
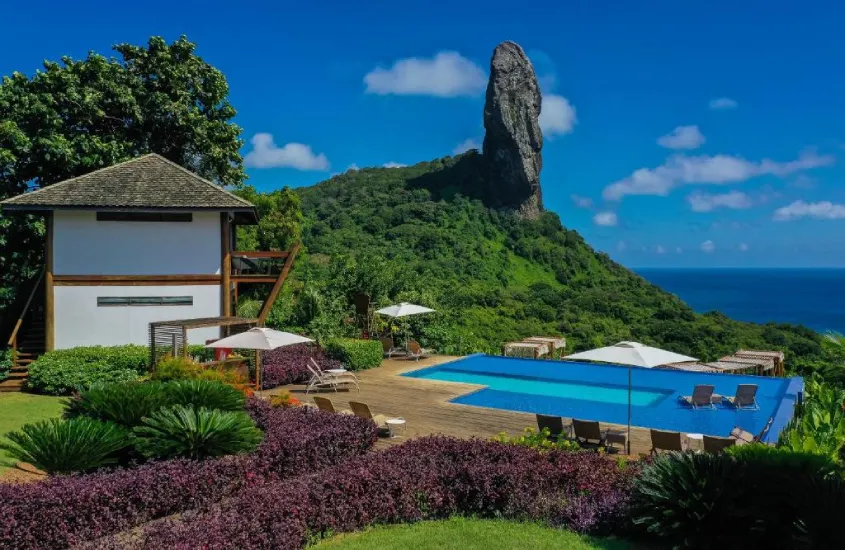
(289,365)
(427,478)
(64,511)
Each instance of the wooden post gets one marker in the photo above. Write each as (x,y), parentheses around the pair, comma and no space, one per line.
(184,342)
(49,297)
(225,266)
(258,370)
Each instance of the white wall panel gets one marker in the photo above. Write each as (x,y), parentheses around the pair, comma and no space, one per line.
(80,322)
(84,246)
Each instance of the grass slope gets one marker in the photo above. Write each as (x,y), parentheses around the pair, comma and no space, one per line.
(469,534)
(17,409)
(418,233)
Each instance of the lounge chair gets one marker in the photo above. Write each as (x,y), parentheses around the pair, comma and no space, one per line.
(702,396)
(589,432)
(743,437)
(389,349)
(662,440)
(745,398)
(717,445)
(329,381)
(325,404)
(362,410)
(555,425)
(416,352)
(338,372)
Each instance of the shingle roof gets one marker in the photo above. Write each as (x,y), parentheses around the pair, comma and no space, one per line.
(147,182)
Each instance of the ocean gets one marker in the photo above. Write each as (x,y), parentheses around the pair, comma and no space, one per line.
(810,297)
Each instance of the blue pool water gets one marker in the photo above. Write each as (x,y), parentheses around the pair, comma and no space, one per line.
(600,392)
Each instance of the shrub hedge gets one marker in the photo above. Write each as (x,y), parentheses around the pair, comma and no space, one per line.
(289,365)
(68,510)
(433,477)
(356,354)
(5,363)
(63,371)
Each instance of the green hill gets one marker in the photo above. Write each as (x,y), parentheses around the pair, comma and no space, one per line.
(422,234)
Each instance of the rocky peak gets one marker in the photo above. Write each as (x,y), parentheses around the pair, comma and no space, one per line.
(513,138)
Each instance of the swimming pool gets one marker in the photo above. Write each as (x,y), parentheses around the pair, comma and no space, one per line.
(600,392)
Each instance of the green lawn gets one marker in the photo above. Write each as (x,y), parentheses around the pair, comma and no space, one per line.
(17,409)
(469,534)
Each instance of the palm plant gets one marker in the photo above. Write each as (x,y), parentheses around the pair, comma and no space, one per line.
(205,394)
(123,403)
(186,431)
(66,446)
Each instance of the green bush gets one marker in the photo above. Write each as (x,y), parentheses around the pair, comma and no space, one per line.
(5,363)
(819,423)
(123,403)
(67,446)
(63,371)
(200,353)
(181,431)
(753,496)
(540,440)
(176,368)
(356,354)
(205,394)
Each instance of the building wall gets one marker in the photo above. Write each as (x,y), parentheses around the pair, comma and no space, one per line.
(84,246)
(80,322)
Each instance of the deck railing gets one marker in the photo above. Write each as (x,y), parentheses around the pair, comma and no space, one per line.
(13,338)
(258,265)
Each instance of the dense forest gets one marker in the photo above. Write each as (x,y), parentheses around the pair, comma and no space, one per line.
(417,234)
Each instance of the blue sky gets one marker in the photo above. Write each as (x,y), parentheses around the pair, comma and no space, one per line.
(681,134)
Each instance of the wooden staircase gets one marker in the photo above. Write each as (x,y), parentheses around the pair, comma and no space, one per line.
(27,340)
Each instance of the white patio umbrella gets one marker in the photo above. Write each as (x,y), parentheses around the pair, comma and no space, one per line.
(404,309)
(259,338)
(632,354)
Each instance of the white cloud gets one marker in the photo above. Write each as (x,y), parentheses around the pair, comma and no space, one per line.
(824,210)
(605,218)
(266,154)
(620,246)
(465,146)
(392,164)
(681,170)
(803,181)
(722,103)
(704,202)
(743,247)
(352,168)
(447,74)
(557,115)
(659,249)
(582,202)
(679,250)
(682,137)
(708,246)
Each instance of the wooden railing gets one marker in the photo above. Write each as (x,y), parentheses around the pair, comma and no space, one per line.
(258,265)
(13,338)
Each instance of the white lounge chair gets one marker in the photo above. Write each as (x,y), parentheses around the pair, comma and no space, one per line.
(334,372)
(745,398)
(329,381)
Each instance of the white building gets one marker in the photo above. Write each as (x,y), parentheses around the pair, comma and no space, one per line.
(141,241)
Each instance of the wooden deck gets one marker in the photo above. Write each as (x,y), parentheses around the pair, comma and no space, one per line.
(425,405)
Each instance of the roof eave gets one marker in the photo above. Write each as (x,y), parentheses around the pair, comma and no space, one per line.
(244,215)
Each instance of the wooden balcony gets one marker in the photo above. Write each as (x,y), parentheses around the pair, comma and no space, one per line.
(257,266)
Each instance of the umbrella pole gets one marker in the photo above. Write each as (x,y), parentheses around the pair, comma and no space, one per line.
(258,370)
(629,409)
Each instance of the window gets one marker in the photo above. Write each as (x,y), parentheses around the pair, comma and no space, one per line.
(144,216)
(112,301)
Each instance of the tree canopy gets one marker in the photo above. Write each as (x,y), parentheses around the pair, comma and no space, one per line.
(75,116)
